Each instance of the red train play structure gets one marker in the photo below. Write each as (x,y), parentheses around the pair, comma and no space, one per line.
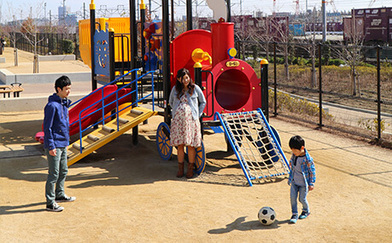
(229,84)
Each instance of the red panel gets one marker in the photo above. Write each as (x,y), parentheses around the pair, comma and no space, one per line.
(235,88)
(181,51)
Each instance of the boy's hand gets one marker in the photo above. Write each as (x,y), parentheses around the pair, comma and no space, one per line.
(52,152)
(311,188)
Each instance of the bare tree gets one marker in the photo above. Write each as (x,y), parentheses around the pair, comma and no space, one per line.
(352,52)
(30,30)
(11,28)
(309,45)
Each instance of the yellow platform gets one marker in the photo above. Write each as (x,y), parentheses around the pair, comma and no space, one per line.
(107,133)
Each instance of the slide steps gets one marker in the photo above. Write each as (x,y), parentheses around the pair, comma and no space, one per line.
(107,133)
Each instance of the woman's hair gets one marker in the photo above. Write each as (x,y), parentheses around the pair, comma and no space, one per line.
(180,86)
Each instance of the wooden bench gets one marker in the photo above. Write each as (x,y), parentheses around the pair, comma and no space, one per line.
(13,88)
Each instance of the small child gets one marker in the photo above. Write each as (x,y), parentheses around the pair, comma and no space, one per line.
(301,178)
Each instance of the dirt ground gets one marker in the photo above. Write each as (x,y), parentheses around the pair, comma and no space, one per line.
(127,193)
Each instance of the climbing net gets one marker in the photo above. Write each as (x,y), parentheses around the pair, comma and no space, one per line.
(255,144)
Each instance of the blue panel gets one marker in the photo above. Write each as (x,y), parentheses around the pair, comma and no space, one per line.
(217,129)
(101,53)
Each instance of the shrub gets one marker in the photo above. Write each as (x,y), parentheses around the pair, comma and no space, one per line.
(296,105)
(68,46)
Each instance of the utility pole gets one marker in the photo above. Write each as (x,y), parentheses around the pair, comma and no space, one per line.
(324,20)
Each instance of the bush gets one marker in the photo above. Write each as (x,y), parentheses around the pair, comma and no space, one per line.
(336,62)
(68,46)
(296,105)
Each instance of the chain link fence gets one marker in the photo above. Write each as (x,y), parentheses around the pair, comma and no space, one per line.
(48,43)
(344,87)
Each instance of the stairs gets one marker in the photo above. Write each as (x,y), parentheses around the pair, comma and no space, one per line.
(107,133)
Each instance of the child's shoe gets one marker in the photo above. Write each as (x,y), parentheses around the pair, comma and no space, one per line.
(304,215)
(293,219)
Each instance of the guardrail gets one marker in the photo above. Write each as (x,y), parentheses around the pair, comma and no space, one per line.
(103,118)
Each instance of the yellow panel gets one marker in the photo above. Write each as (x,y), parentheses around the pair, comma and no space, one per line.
(120,26)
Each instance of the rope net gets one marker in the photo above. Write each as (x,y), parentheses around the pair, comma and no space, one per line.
(256,148)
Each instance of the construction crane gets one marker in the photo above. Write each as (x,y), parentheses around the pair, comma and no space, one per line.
(296,7)
(274,8)
(371,3)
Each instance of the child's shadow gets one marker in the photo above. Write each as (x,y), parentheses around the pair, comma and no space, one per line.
(240,224)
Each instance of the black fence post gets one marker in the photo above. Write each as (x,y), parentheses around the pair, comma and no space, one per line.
(275,84)
(320,89)
(197,67)
(264,87)
(378,95)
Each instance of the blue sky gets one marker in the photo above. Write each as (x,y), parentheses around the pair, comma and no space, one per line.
(22,7)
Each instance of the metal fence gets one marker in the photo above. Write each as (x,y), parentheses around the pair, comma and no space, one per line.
(48,43)
(351,91)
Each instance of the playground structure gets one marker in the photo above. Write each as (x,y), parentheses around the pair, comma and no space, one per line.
(232,89)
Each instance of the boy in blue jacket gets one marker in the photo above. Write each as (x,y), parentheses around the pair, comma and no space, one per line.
(301,178)
(56,141)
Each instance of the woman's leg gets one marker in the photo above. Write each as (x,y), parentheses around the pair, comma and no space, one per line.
(191,158)
(180,157)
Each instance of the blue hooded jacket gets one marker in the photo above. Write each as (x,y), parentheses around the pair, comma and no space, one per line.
(56,122)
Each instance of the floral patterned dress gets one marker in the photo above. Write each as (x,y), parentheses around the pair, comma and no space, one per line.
(184,129)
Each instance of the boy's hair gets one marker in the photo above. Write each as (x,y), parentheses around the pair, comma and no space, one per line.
(62,82)
(296,142)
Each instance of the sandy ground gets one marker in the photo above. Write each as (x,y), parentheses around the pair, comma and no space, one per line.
(127,193)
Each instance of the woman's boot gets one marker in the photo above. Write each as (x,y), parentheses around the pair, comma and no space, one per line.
(180,172)
(189,173)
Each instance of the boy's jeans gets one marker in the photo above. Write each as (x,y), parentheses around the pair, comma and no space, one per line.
(58,170)
(303,192)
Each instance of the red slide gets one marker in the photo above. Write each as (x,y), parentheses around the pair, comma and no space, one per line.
(87,117)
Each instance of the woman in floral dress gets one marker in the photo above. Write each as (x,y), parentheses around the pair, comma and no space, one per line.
(187,102)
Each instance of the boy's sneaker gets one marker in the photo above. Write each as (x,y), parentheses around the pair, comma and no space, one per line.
(293,219)
(65,199)
(54,208)
(304,215)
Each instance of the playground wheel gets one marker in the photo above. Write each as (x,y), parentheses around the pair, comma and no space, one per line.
(276,134)
(163,141)
(200,161)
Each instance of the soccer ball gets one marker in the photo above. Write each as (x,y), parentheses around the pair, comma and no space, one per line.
(267,215)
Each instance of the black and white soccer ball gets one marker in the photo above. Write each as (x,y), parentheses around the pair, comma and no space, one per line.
(267,215)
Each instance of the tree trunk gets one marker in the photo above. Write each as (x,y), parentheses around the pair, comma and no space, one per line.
(313,73)
(16,63)
(35,64)
(353,81)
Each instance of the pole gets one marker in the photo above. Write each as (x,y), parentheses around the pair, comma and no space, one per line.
(197,67)
(320,90)
(264,87)
(142,21)
(378,95)
(324,20)
(133,32)
(228,3)
(275,85)
(92,44)
(189,14)
(166,59)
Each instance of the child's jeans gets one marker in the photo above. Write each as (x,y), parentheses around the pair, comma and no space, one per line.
(58,170)
(303,192)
